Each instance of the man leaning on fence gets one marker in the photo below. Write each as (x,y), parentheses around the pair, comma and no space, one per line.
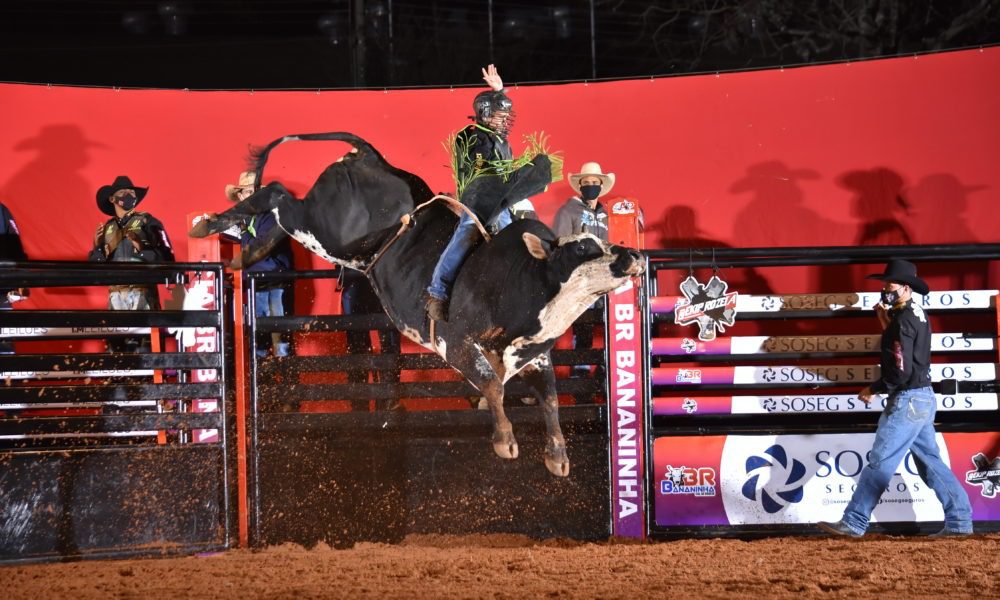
(129,236)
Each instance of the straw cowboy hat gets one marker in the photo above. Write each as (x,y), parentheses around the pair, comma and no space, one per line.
(247,180)
(592,169)
(121,182)
(904,272)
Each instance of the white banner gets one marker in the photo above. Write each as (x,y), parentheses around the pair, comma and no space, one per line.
(854,373)
(762,344)
(809,478)
(820,403)
(75,374)
(945,300)
(32,332)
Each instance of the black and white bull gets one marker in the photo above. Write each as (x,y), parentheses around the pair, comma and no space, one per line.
(512,299)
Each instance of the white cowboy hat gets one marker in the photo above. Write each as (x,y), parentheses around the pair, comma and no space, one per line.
(247,180)
(592,169)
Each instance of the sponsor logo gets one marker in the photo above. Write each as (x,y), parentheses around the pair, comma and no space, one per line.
(689,405)
(817,374)
(821,344)
(710,306)
(693,481)
(22,331)
(688,376)
(769,404)
(688,345)
(623,207)
(774,481)
(986,474)
(769,303)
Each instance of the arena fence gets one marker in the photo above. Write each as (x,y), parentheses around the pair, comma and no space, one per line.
(102,453)
(763,434)
(377,445)
(754,432)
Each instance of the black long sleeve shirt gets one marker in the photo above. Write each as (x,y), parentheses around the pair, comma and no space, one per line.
(906,351)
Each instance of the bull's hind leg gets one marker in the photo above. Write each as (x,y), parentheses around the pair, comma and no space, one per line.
(542,378)
(474,365)
(261,201)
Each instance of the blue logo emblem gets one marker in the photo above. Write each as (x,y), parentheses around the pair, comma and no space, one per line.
(783,487)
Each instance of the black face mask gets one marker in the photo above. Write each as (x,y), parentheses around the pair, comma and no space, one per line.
(127,202)
(891,297)
(590,192)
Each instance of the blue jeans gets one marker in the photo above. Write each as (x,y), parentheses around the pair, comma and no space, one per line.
(462,241)
(907,423)
(268,303)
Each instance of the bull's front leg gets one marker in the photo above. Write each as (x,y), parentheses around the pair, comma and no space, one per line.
(542,378)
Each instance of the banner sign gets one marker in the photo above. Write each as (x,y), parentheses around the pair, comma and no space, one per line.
(791,374)
(806,402)
(710,306)
(626,413)
(763,344)
(200,295)
(798,479)
(75,374)
(33,332)
(951,300)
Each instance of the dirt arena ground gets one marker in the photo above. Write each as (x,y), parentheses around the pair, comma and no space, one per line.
(516,567)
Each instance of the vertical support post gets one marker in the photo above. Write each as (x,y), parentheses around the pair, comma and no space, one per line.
(211,249)
(242,414)
(626,408)
(156,346)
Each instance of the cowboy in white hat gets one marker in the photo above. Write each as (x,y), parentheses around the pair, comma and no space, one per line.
(269,299)
(582,213)
(243,188)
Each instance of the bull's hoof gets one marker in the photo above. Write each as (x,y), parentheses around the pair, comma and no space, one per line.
(203,228)
(556,460)
(505,445)
(556,467)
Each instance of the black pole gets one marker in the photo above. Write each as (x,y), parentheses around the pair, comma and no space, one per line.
(593,42)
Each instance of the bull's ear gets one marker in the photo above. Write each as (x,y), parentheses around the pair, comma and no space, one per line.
(536,247)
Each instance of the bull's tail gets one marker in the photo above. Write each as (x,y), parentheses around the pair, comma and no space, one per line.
(258,156)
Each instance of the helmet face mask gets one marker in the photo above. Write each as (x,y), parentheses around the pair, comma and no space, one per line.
(491,104)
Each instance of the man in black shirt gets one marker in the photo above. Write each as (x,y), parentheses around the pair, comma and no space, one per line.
(907,423)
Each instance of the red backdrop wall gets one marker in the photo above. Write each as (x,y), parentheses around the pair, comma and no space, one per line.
(889,151)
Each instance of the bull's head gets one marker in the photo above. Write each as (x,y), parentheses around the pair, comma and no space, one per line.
(586,263)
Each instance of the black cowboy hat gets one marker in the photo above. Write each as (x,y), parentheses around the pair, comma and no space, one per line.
(904,272)
(121,182)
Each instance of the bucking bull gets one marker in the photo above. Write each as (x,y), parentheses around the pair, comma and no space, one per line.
(512,299)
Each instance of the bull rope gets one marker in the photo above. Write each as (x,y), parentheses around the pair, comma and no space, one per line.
(407,223)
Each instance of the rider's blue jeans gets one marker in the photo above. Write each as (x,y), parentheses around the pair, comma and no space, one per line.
(462,241)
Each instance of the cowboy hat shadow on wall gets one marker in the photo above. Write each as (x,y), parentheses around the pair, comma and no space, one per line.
(51,179)
(777,212)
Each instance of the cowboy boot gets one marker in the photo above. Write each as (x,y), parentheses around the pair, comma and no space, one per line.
(437,309)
